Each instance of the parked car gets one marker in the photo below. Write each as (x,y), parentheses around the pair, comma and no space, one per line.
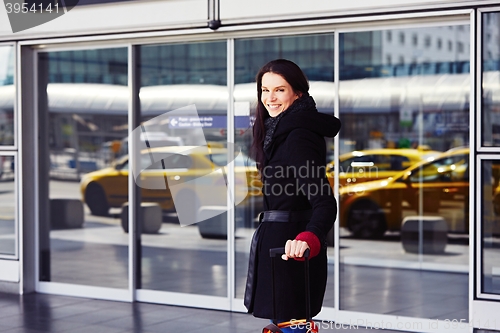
(437,187)
(372,164)
(155,139)
(108,187)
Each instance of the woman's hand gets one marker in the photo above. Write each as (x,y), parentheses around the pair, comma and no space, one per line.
(294,249)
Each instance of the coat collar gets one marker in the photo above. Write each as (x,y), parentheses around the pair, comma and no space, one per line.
(301,114)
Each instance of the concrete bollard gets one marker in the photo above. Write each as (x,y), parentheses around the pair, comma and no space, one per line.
(435,234)
(151,216)
(66,213)
(215,226)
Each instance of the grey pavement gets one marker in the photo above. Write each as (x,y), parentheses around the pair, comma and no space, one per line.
(43,313)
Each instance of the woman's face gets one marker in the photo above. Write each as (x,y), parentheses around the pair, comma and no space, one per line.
(277,93)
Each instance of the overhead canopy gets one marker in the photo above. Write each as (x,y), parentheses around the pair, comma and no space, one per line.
(88,98)
(431,92)
(373,95)
(7,97)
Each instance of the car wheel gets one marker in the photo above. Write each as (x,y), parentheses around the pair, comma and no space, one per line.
(95,198)
(366,220)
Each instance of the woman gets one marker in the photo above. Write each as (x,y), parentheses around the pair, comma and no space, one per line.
(290,151)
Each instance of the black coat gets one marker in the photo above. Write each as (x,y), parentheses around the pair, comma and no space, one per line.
(294,178)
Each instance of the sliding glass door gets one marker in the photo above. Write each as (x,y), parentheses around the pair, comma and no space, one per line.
(404,172)
(82,126)
(183,112)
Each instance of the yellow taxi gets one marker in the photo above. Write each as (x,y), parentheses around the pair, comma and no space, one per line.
(439,187)
(372,164)
(200,170)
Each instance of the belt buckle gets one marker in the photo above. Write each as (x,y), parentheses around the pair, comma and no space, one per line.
(260,217)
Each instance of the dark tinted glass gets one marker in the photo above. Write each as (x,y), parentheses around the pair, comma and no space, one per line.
(490,222)
(490,124)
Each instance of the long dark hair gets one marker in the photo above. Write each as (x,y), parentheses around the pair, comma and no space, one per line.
(300,85)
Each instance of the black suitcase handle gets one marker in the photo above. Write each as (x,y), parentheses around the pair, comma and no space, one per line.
(281,250)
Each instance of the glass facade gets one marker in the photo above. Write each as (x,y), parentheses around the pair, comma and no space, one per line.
(403,239)
(8,233)
(489,183)
(184,101)
(7,95)
(88,66)
(490,125)
(490,226)
(404,98)
(83,110)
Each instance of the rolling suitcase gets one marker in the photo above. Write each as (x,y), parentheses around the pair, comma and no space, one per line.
(275,327)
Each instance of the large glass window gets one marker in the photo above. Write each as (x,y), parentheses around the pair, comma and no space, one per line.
(184,97)
(404,195)
(489,184)
(490,126)
(8,239)
(490,226)
(7,95)
(315,55)
(83,105)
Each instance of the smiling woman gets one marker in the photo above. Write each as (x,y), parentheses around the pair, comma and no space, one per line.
(277,94)
(299,210)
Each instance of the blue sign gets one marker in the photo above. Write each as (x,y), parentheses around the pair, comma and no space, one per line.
(207,122)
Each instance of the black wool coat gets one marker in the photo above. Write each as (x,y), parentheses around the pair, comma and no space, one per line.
(294,179)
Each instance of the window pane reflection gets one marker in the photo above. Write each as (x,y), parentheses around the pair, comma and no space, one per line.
(404,172)
(490,133)
(7,95)
(83,116)
(7,206)
(184,115)
(490,233)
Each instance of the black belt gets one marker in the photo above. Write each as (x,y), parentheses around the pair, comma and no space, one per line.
(285,215)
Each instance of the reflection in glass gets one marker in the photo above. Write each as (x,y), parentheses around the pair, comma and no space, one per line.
(7,184)
(490,231)
(184,96)
(490,126)
(7,95)
(404,220)
(83,116)
(7,206)
(314,54)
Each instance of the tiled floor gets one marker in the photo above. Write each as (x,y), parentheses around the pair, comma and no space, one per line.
(421,294)
(37,313)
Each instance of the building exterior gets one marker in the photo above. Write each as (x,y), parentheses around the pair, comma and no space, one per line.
(421,74)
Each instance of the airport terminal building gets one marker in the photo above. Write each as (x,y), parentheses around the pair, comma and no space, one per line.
(415,168)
